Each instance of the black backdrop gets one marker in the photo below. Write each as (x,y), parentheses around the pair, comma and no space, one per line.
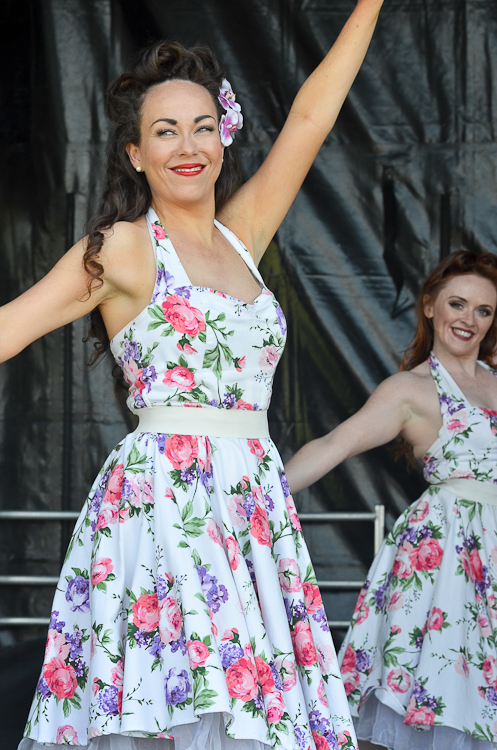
(407,174)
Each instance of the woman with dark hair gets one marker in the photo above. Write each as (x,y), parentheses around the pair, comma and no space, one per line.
(187,613)
(421,652)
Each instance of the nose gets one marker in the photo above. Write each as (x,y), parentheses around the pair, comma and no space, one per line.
(187,145)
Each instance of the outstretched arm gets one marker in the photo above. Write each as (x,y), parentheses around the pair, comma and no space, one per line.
(381,419)
(258,208)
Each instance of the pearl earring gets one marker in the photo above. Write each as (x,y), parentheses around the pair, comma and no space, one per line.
(139,169)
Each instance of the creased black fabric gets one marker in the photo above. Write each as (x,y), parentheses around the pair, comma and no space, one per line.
(407,175)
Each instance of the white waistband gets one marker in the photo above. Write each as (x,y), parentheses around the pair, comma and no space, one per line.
(472,490)
(185,420)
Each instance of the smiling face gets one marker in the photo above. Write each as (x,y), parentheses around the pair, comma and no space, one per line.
(180,150)
(462,314)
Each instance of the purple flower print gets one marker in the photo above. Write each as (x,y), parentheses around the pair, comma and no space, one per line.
(229,653)
(276,676)
(229,400)
(380,593)
(289,612)
(249,505)
(108,700)
(180,644)
(54,623)
(491,695)
(216,596)
(419,692)
(165,282)
(319,723)
(148,376)
(450,406)
(162,587)
(429,467)
(301,738)
(408,535)
(300,612)
(214,402)
(176,686)
(79,668)
(204,477)
(321,619)
(188,475)
(76,644)
(362,660)
(139,402)
(431,702)
(78,593)
(281,319)
(131,351)
(269,503)
(43,689)
(419,641)
(425,532)
(156,647)
(250,567)
(183,291)
(258,702)
(284,483)
(141,637)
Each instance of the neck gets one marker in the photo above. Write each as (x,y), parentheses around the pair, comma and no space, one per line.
(195,221)
(465,365)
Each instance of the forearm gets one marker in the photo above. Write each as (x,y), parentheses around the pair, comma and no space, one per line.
(313,461)
(322,95)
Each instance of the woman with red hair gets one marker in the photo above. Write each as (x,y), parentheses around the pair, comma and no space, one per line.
(421,650)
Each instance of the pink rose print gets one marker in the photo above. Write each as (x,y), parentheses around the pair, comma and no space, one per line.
(476,566)
(399,680)
(60,678)
(183,318)
(214,532)
(420,512)
(134,375)
(395,629)
(159,232)
(428,555)
(181,378)
(95,686)
(204,454)
(349,660)
(256,449)
(322,693)
(396,602)
(107,516)
(170,620)
(402,565)
(264,675)
(490,670)
(289,574)
(350,681)
(198,654)
(343,738)
(292,513)
(268,359)
(422,715)
(237,512)
(260,527)
(319,741)
(114,486)
(286,668)
(233,549)
(56,647)
(465,563)
(66,735)
(435,619)
(457,422)
(492,605)
(186,348)
(94,732)
(275,707)
(181,450)
(240,365)
(303,644)
(491,414)
(117,674)
(484,626)
(461,666)
(241,404)
(93,644)
(313,601)
(146,612)
(100,570)
(123,514)
(241,679)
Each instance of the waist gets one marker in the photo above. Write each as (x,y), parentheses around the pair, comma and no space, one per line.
(472,490)
(184,420)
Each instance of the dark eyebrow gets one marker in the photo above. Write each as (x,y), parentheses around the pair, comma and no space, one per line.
(175,122)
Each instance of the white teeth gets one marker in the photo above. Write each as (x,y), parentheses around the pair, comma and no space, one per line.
(192,169)
(464,334)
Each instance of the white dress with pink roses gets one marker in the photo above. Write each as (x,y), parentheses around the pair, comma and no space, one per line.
(187,613)
(419,661)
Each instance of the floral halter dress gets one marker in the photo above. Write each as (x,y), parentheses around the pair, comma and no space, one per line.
(187,613)
(421,651)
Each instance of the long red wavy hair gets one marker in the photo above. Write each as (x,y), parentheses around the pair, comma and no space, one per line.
(460,263)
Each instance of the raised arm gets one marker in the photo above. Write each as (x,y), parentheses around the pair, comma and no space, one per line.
(389,411)
(258,208)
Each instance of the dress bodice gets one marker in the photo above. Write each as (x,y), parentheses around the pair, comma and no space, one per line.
(194,346)
(466,447)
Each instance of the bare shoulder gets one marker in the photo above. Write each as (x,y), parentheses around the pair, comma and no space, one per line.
(410,388)
(125,235)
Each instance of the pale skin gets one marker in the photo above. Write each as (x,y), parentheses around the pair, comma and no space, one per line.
(407,403)
(179,127)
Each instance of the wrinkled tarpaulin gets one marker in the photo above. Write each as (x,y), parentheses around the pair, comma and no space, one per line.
(408,173)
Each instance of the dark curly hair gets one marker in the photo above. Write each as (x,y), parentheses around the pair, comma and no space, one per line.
(126,194)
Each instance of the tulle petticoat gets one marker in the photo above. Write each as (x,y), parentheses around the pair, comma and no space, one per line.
(206,734)
(382,725)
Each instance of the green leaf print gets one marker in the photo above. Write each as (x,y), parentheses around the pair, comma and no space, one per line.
(136,462)
(194,527)
(187,511)
(204,699)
